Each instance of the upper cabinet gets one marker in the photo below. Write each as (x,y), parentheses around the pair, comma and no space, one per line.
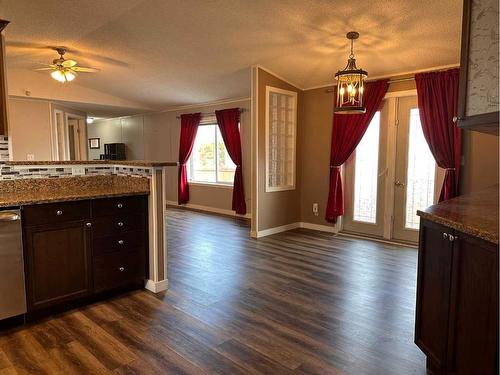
(3,85)
(478,102)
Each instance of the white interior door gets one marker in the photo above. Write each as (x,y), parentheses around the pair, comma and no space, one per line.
(416,172)
(391,175)
(365,176)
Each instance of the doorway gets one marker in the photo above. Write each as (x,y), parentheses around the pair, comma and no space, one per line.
(391,175)
(69,136)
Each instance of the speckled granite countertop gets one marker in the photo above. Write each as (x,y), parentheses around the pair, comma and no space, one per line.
(475,214)
(133,163)
(35,191)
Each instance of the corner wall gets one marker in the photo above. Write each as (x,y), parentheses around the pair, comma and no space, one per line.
(275,209)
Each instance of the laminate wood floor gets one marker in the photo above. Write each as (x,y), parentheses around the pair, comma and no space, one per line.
(299,302)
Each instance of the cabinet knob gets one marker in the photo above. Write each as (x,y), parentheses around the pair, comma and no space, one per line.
(121,269)
(120,242)
(452,238)
(119,205)
(59,212)
(88,225)
(120,224)
(445,236)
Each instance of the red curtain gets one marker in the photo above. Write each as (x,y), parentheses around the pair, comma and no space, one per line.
(228,120)
(189,128)
(437,102)
(347,132)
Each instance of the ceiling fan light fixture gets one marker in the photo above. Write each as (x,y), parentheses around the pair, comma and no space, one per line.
(350,84)
(63,76)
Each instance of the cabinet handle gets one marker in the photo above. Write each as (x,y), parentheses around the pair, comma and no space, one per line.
(119,205)
(120,224)
(452,238)
(121,269)
(445,236)
(88,225)
(59,212)
(120,242)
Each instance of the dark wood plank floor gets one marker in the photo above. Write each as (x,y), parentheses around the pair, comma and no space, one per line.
(299,302)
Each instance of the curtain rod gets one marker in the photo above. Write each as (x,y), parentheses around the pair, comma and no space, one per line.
(206,114)
(390,81)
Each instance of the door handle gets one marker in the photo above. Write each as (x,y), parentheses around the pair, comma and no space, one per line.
(399,183)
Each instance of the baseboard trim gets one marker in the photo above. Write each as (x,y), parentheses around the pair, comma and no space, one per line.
(318,227)
(156,286)
(275,230)
(220,211)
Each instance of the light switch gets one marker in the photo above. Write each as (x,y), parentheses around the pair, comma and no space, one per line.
(30,157)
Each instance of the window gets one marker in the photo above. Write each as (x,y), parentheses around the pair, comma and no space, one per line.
(210,162)
(421,172)
(281,122)
(366,174)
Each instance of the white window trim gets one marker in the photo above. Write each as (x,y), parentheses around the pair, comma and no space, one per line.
(210,121)
(293,94)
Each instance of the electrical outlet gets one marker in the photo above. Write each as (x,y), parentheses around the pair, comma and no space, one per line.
(30,157)
(78,171)
(315,209)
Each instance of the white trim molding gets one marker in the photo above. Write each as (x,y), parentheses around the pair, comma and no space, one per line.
(275,230)
(156,286)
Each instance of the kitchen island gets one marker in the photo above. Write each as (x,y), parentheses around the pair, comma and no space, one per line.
(457,284)
(88,228)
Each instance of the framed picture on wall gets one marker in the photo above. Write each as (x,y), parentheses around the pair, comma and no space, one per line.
(94,143)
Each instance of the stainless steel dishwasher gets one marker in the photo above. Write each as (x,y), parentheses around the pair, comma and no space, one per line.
(12,288)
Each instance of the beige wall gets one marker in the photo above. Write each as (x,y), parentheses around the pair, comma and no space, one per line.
(316,122)
(29,129)
(109,131)
(155,136)
(480,158)
(282,207)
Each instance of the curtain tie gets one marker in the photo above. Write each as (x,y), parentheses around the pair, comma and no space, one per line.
(334,166)
(450,169)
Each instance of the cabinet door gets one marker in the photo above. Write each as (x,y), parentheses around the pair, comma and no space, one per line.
(474,312)
(58,263)
(433,292)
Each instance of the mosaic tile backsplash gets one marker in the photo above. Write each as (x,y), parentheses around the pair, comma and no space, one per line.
(14,172)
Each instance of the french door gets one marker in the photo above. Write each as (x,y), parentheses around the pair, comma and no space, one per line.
(391,175)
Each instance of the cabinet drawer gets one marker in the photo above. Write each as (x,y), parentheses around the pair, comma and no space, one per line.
(118,269)
(112,225)
(124,242)
(53,213)
(119,206)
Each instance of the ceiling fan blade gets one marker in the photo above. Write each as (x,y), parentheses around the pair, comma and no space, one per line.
(69,63)
(83,69)
(44,69)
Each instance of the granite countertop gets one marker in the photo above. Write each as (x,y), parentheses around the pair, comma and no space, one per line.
(37,191)
(475,214)
(133,163)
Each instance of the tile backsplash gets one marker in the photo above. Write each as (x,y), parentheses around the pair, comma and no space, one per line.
(15,172)
(4,149)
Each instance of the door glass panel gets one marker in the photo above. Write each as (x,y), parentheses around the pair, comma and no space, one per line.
(366,174)
(421,172)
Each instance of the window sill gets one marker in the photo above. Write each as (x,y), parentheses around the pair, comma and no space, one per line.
(209,184)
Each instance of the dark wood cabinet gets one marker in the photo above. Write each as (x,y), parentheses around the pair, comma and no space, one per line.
(77,249)
(457,301)
(57,263)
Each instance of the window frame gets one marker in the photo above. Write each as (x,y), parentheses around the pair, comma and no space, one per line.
(293,95)
(228,185)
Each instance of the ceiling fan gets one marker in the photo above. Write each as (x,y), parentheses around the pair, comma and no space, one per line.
(65,70)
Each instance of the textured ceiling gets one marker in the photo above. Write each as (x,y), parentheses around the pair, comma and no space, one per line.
(161,53)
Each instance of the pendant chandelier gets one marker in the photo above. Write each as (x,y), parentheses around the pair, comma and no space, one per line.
(350,84)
